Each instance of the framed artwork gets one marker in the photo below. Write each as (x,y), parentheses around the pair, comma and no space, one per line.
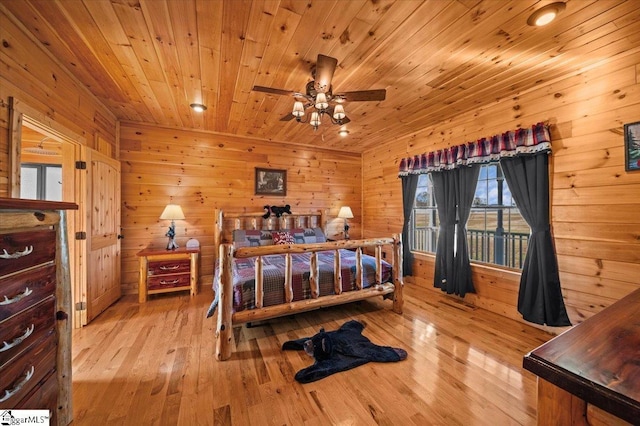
(632,146)
(271,182)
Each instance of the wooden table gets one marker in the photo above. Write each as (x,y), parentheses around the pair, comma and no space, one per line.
(596,362)
(163,271)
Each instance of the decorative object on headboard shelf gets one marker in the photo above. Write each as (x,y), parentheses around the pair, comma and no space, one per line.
(278,211)
(172,212)
(345,213)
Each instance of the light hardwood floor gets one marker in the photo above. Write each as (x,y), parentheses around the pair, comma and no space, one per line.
(154,364)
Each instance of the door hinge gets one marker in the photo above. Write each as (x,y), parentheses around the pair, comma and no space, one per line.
(81,235)
(81,165)
(81,306)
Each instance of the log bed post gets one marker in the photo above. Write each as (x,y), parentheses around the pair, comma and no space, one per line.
(288,278)
(314,276)
(359,268)
(337,273)
(217,232)
(397,273)
(259,289)
(224,331)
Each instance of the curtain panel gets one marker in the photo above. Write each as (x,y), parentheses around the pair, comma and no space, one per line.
(523,156)
(409,187)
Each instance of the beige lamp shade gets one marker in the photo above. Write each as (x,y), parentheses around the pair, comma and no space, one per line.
(172,212)
(298,109)
(345,213)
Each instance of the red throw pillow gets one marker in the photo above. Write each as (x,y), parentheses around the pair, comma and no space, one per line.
(282,237)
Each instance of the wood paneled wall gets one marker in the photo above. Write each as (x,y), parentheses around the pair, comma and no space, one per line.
(203,171)
(594,201)
(34,78)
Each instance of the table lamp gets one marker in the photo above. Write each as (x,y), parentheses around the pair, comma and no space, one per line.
(172,212)
(345,213)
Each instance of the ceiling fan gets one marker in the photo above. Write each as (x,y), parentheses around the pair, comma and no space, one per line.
(319,96)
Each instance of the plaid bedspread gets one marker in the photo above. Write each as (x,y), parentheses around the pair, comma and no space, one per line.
(273,273)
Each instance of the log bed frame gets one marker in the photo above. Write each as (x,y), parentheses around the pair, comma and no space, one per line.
(227,222)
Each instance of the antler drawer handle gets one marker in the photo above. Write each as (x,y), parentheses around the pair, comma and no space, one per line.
(27,251)
(8,393)
(17,340)
(163,282)
(169,268)
(16,299)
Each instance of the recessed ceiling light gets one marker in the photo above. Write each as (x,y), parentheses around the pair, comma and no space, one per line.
(344,133)
(198,107)
(546,14)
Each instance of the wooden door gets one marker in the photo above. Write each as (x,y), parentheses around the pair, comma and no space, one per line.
(103,229)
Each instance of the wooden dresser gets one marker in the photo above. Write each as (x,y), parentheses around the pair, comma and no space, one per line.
(35,308)
(590,374)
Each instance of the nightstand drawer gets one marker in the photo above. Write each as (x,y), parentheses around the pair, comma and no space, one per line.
(169,281)
(20,250)
(22,290)
(169,267)
(21,375)
(21,331)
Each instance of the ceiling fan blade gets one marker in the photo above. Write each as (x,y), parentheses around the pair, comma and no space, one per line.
(325,67)
(273,91)
(362,95)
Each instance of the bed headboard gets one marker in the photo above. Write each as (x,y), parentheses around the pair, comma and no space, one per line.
(227,222)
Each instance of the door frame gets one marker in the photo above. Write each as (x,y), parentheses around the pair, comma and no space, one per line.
(73,189)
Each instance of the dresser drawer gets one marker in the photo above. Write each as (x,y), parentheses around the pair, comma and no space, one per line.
(19,291)
(169,281)
(20,250)
(44,397)
(20,376)
(23,330)
(169,267)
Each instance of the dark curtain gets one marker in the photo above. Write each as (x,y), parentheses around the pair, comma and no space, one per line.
(540,298)
(409,186)
(444,189)
(466,181)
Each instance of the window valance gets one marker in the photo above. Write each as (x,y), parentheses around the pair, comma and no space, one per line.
(510,144)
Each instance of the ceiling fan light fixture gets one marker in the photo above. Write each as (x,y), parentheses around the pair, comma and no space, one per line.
(198,107)
(321,101)
(315,120)
(338,112)
(546,14)
(343,133)
(298,109)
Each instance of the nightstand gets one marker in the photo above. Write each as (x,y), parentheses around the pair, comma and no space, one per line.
(165,271)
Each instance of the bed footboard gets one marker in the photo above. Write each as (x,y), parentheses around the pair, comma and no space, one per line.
(227,318)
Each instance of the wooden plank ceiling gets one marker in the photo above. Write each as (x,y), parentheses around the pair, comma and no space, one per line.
(147,60)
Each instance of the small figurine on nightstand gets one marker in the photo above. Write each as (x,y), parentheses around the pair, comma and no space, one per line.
(171,233)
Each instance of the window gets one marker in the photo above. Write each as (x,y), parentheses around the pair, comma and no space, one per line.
(424,219)
(496,232)
(41,182)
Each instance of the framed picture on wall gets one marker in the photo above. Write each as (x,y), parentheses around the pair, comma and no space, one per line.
(632,146)
(271,182)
